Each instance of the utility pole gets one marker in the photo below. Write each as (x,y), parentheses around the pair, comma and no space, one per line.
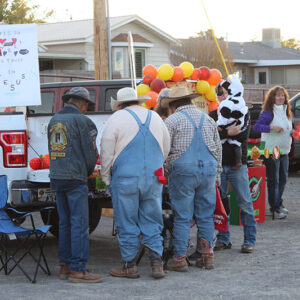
(101,61)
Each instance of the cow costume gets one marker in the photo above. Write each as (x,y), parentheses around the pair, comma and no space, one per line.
(232,111)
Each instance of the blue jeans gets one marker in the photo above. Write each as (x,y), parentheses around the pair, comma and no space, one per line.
(192,194)
(73,241)
(240,183)
(277,174)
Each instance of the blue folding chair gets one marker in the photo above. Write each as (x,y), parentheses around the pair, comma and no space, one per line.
(27,239)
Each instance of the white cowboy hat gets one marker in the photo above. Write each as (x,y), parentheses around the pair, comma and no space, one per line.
(176,93)
(126,94)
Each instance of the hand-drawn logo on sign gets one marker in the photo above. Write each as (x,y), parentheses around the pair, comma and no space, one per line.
(58,139)
(255,188)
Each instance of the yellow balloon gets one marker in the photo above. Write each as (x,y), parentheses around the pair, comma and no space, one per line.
(211,93)
(188,68)
(142,89)
(145,105)
(165,72)
(202,87)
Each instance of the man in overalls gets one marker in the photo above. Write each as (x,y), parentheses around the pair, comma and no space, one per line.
(134,144)
(194,166)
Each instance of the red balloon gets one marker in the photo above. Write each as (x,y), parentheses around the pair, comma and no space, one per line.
(196,74)
(178,74)
(150,70)
(204,73)
(214,77)
(147,79)
(157,85)
(151,102)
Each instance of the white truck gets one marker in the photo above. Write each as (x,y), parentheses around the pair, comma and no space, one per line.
(23,137)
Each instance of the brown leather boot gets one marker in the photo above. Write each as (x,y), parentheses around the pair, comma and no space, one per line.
(84,277)
(157,270)
(177,264)
(131,272)
(207,256)
(64,272)
(206,261)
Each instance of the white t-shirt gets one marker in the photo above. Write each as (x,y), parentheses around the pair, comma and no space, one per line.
(121,128)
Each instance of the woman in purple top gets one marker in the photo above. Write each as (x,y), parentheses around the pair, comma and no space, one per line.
(275,124)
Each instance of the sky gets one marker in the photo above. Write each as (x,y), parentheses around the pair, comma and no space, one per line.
(235,20)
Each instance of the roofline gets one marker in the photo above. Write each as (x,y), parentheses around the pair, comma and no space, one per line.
(137,18)
(63,42)
(245,61)
(135,44)
(266,63)
(59,55)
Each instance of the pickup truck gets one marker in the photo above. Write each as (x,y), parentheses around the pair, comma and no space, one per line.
(23,137)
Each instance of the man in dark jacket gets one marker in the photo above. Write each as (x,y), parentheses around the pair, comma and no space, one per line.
(73,155)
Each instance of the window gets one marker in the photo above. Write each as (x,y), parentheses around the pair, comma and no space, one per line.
(47,101)
(119,62)
(139,56)
(46,65)
(108,94)
(277,76)
(292,76)
(91,106)
(262,77)
(297,108)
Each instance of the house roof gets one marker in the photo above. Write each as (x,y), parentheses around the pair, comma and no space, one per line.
(260,53)
(61,32)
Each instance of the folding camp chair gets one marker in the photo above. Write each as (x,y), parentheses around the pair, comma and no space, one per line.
(26,239)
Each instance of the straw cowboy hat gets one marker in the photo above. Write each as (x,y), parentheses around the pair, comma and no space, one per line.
(176,93)
(126,94)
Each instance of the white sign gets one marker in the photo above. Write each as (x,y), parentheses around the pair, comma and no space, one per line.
(19,66)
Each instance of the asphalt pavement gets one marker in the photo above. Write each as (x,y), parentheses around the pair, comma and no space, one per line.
(271,272)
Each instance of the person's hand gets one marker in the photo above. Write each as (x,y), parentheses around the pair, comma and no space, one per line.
(276,128)
(234,130)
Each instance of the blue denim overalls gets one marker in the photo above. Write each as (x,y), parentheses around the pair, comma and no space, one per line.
(136,193)
(192,191)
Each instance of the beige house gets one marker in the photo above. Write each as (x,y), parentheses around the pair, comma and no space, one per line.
(266,62)
(66,46)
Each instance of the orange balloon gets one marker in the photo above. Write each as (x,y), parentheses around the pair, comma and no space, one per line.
(151,102)
(214,77)
(150,70)
(213,105)
(196,74)
(178,74)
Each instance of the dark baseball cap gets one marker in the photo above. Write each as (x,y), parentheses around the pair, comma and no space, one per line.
(79,93)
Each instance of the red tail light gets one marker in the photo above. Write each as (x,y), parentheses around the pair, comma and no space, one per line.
(14,144)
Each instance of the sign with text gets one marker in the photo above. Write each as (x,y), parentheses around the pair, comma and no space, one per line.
(19,65)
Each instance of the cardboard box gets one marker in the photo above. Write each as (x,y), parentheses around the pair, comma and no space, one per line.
(257,185)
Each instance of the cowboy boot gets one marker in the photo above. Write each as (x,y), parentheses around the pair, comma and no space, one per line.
(156,264)
(207,259)
(129,270)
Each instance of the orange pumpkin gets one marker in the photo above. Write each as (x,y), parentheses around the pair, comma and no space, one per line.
(45,162)
(35,163)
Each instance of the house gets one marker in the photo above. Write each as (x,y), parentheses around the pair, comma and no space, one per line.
(69,45)
(266,62)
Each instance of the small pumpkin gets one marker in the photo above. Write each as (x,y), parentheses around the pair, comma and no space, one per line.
(35,163)
(255,153)
(45,162)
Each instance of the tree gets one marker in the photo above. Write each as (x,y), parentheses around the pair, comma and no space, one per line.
(202,51)
(19,12)
(291,43)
